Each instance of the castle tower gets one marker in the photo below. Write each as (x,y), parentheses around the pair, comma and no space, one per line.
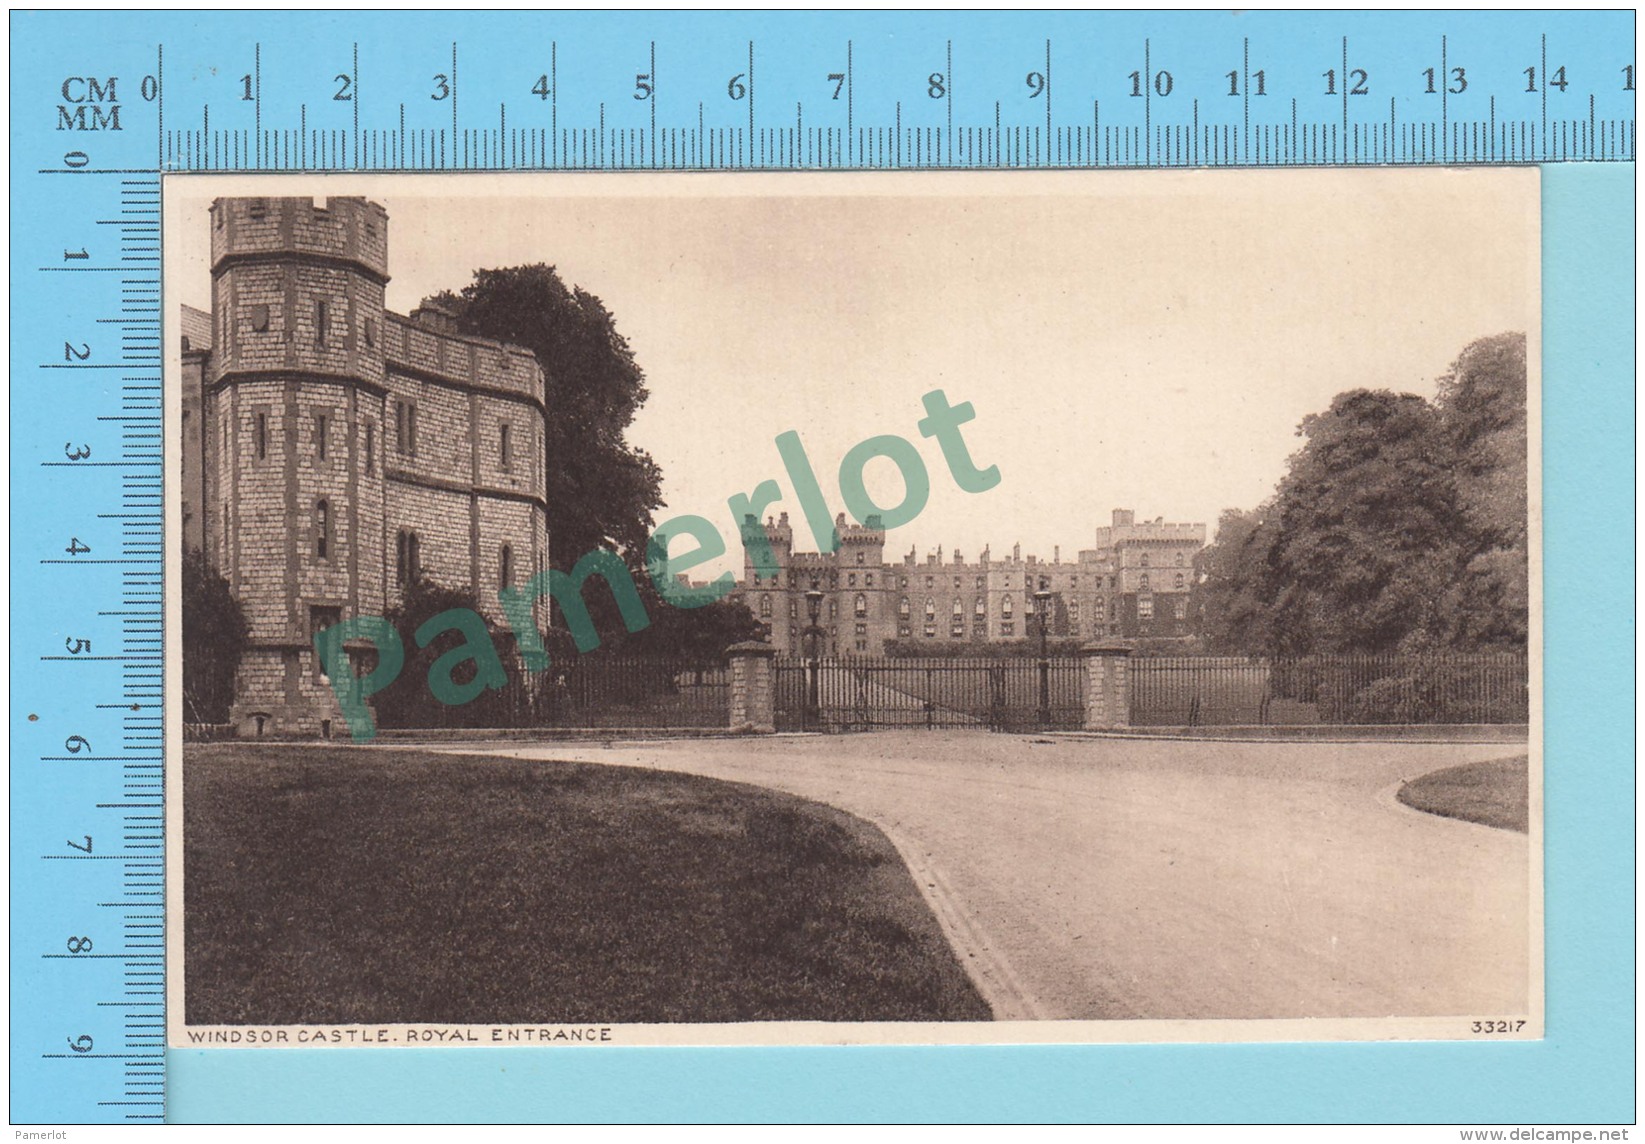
(293,454)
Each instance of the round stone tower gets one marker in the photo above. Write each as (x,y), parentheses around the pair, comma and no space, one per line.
(294,449)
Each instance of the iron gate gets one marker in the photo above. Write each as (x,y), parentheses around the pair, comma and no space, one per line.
(979,694)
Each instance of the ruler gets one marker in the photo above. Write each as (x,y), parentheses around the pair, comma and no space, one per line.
(139,95)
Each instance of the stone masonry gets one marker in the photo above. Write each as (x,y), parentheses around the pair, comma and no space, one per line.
(334,451)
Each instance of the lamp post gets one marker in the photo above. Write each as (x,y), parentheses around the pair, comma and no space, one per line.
(814,634)
(1042,605)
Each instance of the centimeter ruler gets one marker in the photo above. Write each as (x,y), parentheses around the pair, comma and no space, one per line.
(140,95)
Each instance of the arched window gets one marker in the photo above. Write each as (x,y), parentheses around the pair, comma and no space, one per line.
(981,608)
(1097,608)
(322,528)
(930,608)
(1178,582)
(1145,559)
(505,567)
(407,559)
(1005,606)
(902,606)
(1180,560)
(860,605)
(959,608)
(1142,585)
(1073,609)
(765,607)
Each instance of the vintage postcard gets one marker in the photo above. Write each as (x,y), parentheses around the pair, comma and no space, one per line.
(828,609)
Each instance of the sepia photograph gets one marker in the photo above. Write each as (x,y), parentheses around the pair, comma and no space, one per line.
(826,609)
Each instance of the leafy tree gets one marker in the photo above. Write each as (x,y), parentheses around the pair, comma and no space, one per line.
(1482,403)
(601,491)
(215,634)
(1368,527)
(1236,583)
(408,702)
(1400,524)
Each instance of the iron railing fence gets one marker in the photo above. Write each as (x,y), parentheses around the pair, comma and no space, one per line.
(989,694)
(589,692)
(1342,689)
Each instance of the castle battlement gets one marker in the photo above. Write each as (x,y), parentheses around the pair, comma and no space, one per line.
(347,229)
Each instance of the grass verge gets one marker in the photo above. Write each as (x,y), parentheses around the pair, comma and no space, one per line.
(1495,793)
(339,887)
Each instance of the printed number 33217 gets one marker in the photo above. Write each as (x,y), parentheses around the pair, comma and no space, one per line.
(1503,1026)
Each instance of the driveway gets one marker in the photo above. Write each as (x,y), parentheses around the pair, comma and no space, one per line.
(1127,878)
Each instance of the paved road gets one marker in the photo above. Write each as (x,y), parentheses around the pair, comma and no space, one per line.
(1104,878)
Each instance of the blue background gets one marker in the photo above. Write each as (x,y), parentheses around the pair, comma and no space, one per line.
(1583,1071)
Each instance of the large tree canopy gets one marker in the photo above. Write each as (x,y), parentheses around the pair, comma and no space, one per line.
(1399,525)
(601,491)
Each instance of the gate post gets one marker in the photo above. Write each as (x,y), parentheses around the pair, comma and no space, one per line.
(1107,686)
(753,687)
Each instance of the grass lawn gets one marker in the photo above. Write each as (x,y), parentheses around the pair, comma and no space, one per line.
(1496,793)
(344,886)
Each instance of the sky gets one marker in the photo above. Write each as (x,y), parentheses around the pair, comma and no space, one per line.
(1143,340)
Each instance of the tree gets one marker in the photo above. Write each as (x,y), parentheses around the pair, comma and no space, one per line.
(408,701)
(1368,530)
(214,638)
(1236,589)
(601,491)
(1400,525)
(1482,404)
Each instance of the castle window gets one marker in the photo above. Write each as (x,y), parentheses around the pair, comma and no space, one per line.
(929,582)
(1145,559)
(405,428)
(861,630)
(259,436)
(321,617)
(902,607)
(371,448)
(322,529)
(1179,560)
(956,583)
(1178,582)
(1005,607)
(793,609)
(860,605)
(1074,610)
(833,610)
(979,581)
(902,582)
(258,208)
(1097,608)
(407,558)
(851,580)
(1142,585)
(1007,628)
(505,453)
(321,424)
(930,609)
(1179,608)
(959,609)
(981,608)
(1145,607)
(259,317)
(322,322)
(765,607)
(860,557)
(371,331)
(868,579)
(505,567)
